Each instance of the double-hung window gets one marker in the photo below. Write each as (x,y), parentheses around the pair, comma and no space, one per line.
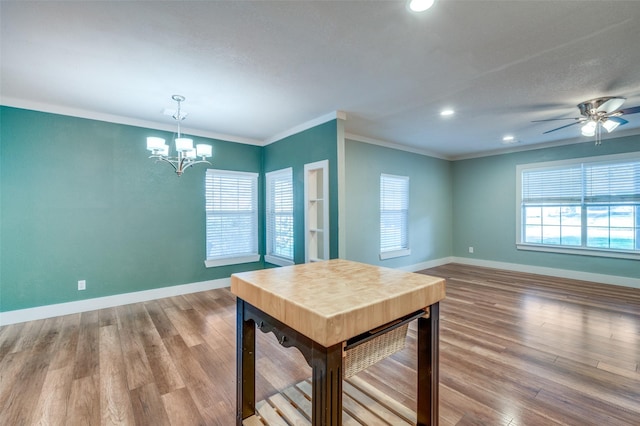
(280,217)
(394,216)
(232,217)
(586,206)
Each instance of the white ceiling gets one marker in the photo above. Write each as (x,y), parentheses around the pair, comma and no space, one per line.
(252,70)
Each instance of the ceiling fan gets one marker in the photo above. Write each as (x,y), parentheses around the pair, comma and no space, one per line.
(598,113)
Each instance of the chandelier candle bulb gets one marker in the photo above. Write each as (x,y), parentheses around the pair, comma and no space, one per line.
(184,144)
(154,143)
(203,150)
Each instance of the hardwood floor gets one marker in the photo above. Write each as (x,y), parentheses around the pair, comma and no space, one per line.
(516,349)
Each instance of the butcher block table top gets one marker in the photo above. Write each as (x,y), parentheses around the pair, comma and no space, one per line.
(334,300)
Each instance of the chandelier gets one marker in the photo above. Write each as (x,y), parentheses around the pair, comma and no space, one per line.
(187,155)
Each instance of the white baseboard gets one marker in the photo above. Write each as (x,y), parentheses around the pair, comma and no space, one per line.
(48,311)
(427,264)
(41,312)
(540,270)
(554,272)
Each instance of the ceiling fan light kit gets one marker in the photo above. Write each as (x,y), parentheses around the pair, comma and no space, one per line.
(597,114)
(589,129)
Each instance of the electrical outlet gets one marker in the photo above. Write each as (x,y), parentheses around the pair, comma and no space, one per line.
(82,285)
(470,249)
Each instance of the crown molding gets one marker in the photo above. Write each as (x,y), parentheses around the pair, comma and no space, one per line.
(393,145)
(118,119)
(340,115)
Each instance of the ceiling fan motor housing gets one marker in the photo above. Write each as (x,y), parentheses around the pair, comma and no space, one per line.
(600,107)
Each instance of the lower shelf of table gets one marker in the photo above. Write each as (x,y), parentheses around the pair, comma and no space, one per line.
(362,404)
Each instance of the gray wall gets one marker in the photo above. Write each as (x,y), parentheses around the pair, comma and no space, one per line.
(430,203)
(484,209)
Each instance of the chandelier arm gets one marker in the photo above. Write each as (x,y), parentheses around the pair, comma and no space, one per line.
(192,163)
(166,160)
(181,167)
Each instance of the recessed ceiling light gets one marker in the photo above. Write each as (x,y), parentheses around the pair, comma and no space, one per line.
(447,112)
(509,139)
(420,5)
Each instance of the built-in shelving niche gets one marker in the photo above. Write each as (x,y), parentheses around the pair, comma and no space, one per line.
(316,214)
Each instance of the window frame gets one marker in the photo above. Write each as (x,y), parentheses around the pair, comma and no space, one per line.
(404,249)
(582,249)
(237,258)
(270,256)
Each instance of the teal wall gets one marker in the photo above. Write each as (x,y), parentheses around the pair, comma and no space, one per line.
(80,200)
(315,144)
(484,209)
(430,203)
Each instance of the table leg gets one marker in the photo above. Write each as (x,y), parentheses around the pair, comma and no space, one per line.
(326,394)
(428,359)
(245,365)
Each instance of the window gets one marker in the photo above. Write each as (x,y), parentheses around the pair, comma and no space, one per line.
(232,217)
(587,206)
(394,216)
(280,217)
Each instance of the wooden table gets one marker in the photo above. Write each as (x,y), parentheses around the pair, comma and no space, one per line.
(317,308)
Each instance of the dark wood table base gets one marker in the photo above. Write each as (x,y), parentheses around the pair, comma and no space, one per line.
(326,364)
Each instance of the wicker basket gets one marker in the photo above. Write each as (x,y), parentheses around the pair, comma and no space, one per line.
(368,353)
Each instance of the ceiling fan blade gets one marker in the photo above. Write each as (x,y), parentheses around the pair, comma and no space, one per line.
(618,120)
(632,110)
(562,127)
(610,105)
(612,123)
(556,119)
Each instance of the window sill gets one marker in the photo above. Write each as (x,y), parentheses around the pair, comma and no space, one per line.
(395,253)
(581,251)
(213,263)
(280,261)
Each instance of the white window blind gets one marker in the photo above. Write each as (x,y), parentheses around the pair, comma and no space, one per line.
(612,183)
(552,186)
(590,204)
(232,217)
(280,217)
(394,216)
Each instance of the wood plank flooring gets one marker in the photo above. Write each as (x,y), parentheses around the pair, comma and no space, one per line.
(516,349)
(362,404)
